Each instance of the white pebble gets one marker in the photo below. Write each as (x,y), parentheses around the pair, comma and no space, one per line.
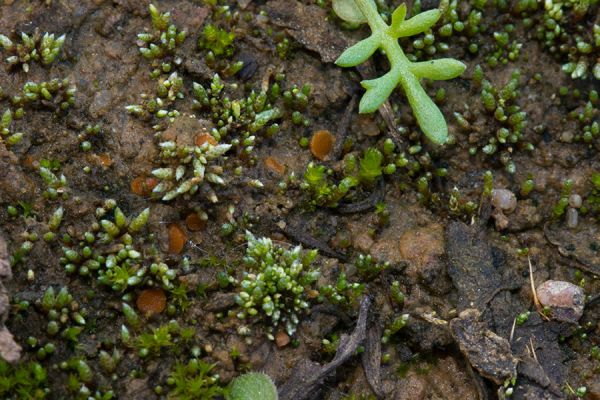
(575,200)
(504,200)
(564,299)
(572,218)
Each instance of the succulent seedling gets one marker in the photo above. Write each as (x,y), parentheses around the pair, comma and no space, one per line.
(403,72)
(252,386)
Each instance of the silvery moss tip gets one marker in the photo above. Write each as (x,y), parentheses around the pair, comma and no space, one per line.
(252,386)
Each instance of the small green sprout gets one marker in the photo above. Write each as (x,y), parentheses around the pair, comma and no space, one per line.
(371,165)
(193,381)
(153,342)
(217,40)
(343,292)
(5,131)
(161,43)
(402,72)
(36,47)
(167,91)
(56,94)
(194,166)
(368,267)
(323,192)
(62,313)
(55,185)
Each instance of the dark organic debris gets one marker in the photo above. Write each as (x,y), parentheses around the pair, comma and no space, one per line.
(582,245)
(534,383)
(470,265)
(489,353)
(371,359)
(299,235)
(309,375)
(309,26)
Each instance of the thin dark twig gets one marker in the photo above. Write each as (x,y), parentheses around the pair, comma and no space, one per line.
(370,202)
(343,129)
(299,235)
(307,377)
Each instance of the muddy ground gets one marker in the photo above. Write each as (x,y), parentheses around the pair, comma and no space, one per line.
(463,268)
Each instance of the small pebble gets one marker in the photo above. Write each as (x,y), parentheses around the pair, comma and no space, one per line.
(575,200)
(564,299)
(572,218)
(504,200)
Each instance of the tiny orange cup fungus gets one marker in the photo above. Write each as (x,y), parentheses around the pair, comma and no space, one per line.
(177,238)
(321,144)
(152,301)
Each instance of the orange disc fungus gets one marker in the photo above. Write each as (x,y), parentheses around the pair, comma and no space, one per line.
(204,138)
(194,223)
(321,144)
(275,165)
(177,238)
(152,301)
(143,186)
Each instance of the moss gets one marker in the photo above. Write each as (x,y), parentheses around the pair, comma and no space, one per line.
(26,381)
(216,40)
(192,380)
(275,282)
(36,47)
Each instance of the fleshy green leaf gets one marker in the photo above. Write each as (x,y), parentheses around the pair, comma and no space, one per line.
(348,11)
(439,70)
(417,24)
(428,115)
(358,53)
(378,90)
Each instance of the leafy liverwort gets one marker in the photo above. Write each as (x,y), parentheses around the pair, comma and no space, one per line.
(402,71)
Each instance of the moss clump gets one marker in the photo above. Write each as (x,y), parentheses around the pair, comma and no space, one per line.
(43,49)
(217,41)
(193,381)
(188,167)
(159,45)
(23,382)
(277,282)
